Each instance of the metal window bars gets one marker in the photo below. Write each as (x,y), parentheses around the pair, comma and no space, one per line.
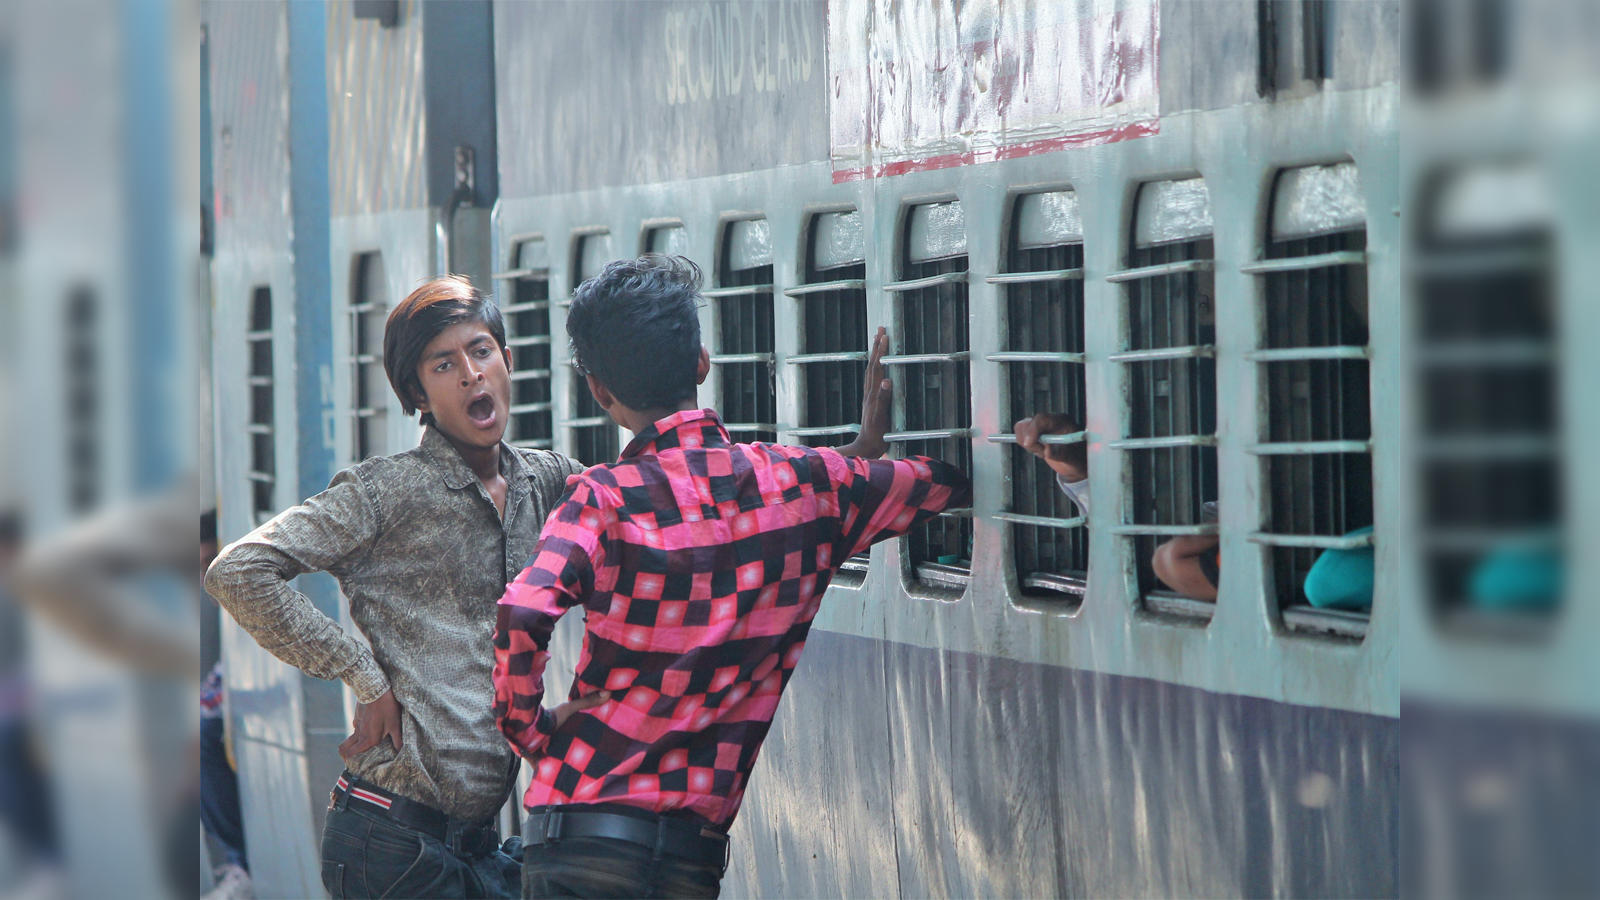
(594,434)
(746,338)
(1316,458)
(1487,372)
(369,385)
(263,464)
(936,415)
(1170,443)
(1044,373)
(833,353)
(527,319)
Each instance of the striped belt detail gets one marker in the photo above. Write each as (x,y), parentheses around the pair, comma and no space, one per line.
(358,793)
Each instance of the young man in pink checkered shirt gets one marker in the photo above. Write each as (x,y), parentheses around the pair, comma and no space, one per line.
(700,564)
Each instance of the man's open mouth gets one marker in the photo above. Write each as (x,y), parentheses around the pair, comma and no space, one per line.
(481,411)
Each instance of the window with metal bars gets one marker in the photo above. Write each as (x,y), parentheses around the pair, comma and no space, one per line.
(594,434)
(745,339)
(1488,376)
(1170,448)
(263,465)
(1044,364)
(527,318)
(833,340)
(1316,451)
(83,398)
(935,410)
(369,393)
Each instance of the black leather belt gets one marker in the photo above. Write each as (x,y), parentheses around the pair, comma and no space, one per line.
(664,836)
(461,837)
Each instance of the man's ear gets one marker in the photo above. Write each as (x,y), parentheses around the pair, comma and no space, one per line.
(602,395)
(506,351)
(702,368)
(419,399)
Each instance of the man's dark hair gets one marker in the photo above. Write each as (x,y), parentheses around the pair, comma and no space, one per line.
(636,328)
(438,304)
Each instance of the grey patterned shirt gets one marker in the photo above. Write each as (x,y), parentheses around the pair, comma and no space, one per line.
(423,556)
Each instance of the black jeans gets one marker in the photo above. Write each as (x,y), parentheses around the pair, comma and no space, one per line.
(365,854)
(601,867)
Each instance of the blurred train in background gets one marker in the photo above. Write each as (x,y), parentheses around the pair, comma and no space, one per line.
(1177,221)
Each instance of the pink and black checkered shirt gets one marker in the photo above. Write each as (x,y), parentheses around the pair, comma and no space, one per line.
(700,564)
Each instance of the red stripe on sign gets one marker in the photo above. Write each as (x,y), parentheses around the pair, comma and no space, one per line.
(1014,151)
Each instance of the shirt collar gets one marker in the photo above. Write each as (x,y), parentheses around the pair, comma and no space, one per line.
(455,471)
(687,428)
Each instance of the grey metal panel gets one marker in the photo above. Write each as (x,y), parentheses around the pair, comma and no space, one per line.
(458,66)
(376,112)
(612,93)
(1365,40)
(1004,779)
(250,116)
(1208,54)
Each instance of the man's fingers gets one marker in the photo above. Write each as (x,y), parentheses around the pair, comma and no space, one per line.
(592,700)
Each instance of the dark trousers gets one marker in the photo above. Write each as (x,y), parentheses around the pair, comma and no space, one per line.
(219,795)
(601,867)
(365,854)
(24,797)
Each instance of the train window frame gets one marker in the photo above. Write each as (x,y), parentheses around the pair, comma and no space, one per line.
(366,312)
(1057,233)
(833,287)
(651,228)
(590,429)
(1478,222)
(1179,219)
(741,300)
(527,279)
(1313,242)
(943,241)
(262,390)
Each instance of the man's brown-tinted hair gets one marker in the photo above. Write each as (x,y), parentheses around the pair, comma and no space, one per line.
(437,304)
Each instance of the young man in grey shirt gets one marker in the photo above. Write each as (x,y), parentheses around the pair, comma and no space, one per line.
(422,543)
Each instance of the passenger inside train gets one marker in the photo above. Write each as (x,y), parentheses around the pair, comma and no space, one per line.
(1189,564)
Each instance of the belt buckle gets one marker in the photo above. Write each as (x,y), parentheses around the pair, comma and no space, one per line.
(550,827)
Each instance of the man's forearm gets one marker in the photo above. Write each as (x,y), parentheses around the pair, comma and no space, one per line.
(251,585)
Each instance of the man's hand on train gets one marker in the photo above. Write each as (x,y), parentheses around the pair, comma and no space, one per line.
(1070,461)
(564,711)
(373,722)
(877,401)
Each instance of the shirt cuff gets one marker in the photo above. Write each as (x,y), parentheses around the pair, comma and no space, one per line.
(545,722)
(1077,490)
(366,678)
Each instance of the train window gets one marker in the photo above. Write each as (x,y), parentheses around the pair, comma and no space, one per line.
(1043,285)
(369,394)
(594,435)
(672,240)
(833,340)
(263,465)
(1293,44)
(1487,375)
(930,300)
(528,337)
(1170,444)
(743,331)
(83,403)
(1316,450)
